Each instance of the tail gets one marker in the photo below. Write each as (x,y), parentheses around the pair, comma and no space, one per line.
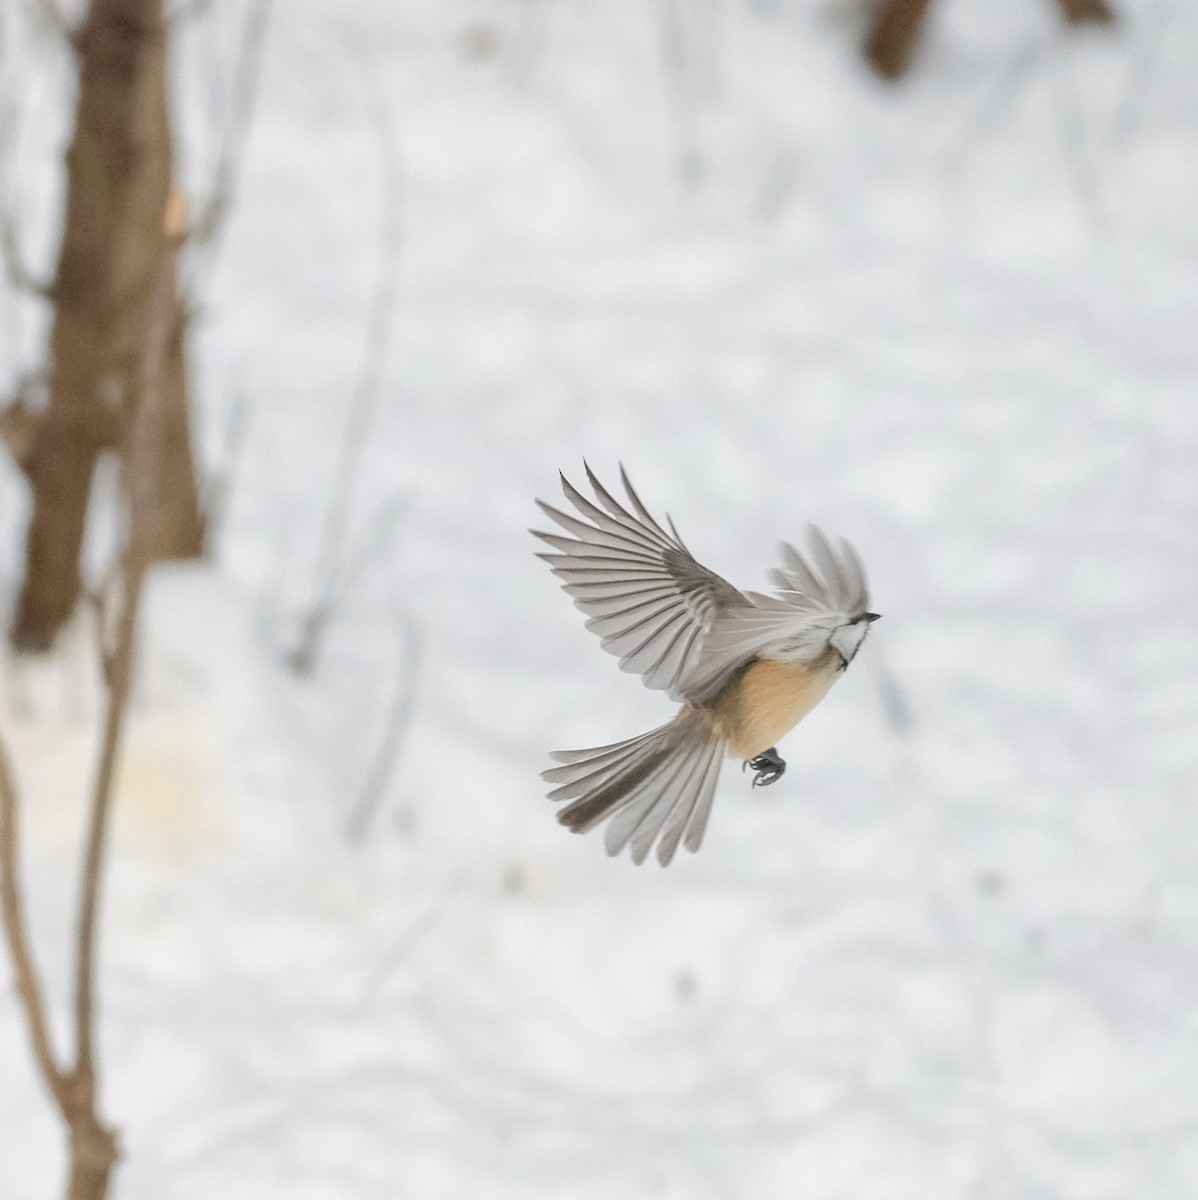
(658,785)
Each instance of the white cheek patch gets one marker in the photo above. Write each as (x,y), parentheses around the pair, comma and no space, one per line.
(848,638)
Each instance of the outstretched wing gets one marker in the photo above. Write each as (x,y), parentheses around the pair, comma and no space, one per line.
(649,601)
(680,626)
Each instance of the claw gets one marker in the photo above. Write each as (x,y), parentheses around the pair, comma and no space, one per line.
(769,767)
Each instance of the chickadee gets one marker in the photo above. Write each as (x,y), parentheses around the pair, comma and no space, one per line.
(746,667)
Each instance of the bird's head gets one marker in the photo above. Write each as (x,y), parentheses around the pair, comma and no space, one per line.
(846,639)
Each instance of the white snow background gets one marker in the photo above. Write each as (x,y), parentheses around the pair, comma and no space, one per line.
(954,952)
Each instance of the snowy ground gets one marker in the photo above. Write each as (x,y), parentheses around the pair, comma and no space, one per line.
(954,952)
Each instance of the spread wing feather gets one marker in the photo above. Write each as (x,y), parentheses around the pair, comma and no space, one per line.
(683,628)
(647,598)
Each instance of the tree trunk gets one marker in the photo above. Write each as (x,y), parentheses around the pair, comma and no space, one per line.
(1079,12)
(892,36)
(174,523)
(897,24)
(113,247)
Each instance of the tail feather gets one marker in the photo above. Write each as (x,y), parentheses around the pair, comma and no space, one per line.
(659,785)
(638,820)
(612,789)
(676,796)
(692,808)
(573,756)
(587,774)
(696,821)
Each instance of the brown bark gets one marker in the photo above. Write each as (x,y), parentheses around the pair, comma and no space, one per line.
(175,522)
(94,1154)
(897,24)
(113,247)
(93,1147)
(1079,12)
(892,36)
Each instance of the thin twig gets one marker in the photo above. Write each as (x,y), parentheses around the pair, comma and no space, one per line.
(398,720)
(210,223)
(223,478)
(371,544)
(16,932)
(54,17)
(423,924)
(365,397)
(119,664)
(19,274)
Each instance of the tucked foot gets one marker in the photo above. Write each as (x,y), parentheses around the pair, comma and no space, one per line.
(769,767)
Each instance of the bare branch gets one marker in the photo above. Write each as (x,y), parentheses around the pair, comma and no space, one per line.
(372,542)
(16,933)
(17,270)
(893,35)
(21,422)
(364,400)
(897,24)
(54,16)
(409,938)
(223,477)
(118,674)
(399,717)
(135,561)
(1083,12)
(209,224)
(19,274)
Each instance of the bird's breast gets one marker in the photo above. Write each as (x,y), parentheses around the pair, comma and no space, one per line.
(768,700)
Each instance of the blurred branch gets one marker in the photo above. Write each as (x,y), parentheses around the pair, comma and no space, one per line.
(423,924)
(1082,12)
(897,23)
(364,400)
(890,692)
(21,420)
(223,477)
(994,105)
(16,933)
(56,18)
(94,1148)
(371,543)
(210,223)
(892,37)
(93,1144)
(15,267)
(117,662)
(399,718)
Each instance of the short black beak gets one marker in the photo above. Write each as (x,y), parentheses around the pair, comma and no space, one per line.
(872,617)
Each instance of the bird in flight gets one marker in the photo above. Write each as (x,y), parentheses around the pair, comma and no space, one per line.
(745,667)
